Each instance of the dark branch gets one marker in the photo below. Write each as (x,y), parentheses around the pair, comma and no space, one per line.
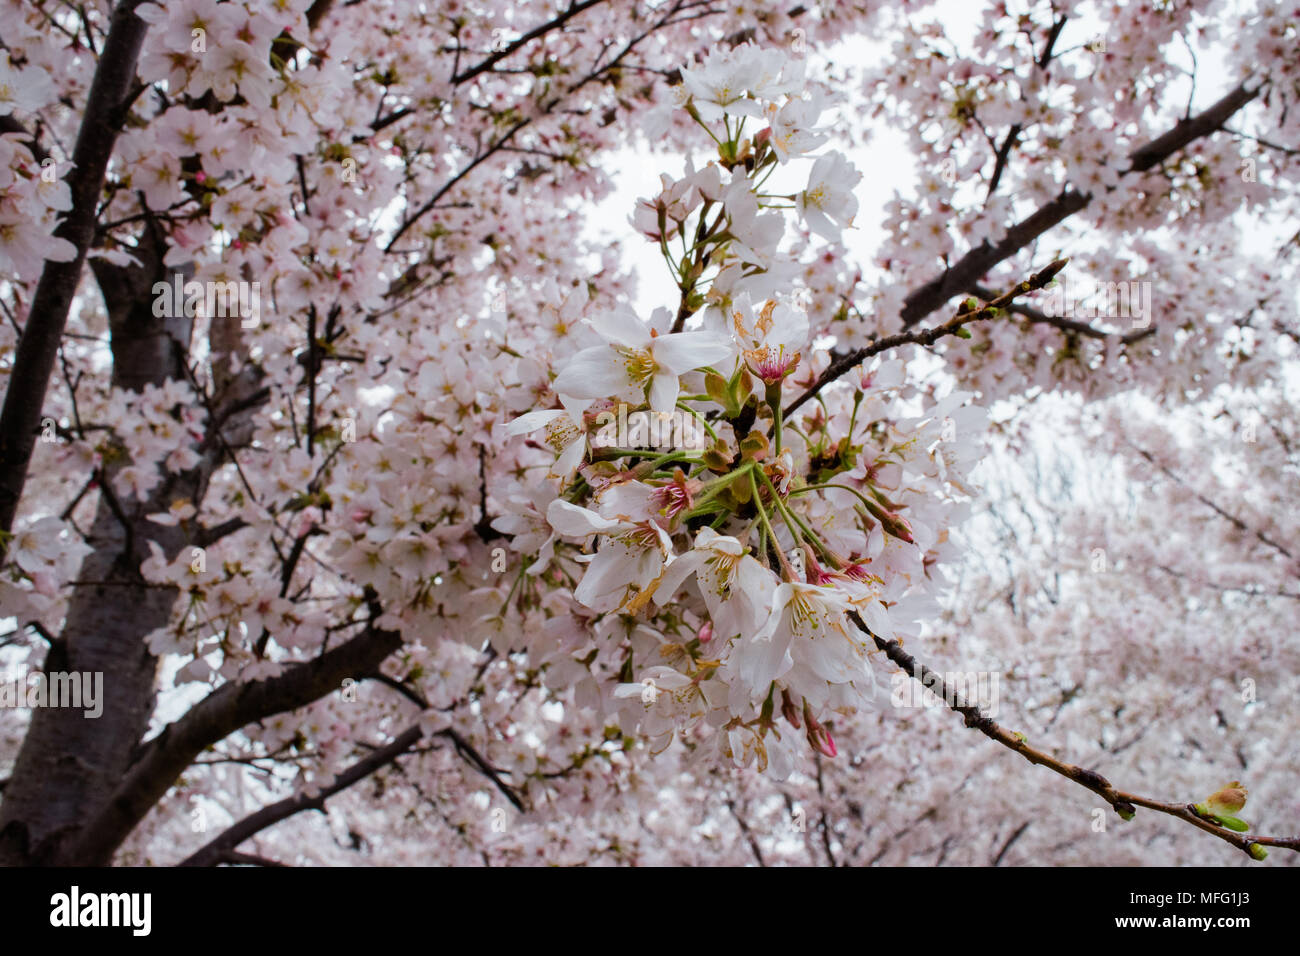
(847,360)
(555,24)
(1123,803)
(978,261)
(106,105)
(214,718)
(217,850)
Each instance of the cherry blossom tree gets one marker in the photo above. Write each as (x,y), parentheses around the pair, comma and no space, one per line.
(354,467)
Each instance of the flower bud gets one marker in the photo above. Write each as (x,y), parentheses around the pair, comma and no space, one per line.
(1223,805)
(788,710)
(819,738)
(1228,799)
(891,523)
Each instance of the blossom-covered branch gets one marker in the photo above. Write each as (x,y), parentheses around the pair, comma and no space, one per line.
(970,311)
(1122,802)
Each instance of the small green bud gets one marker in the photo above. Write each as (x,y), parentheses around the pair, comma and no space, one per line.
(716,459)
(716,386)
(754,446)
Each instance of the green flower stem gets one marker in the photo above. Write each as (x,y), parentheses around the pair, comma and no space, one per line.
(807,488)
(576,490)
(786,569)
(699,418)
(668,258)
(790,521)
(611,452)
(771,164)
(514,587)
(798,527)
(792,428)
(681,454)
(712,489)
(857,402)
(773,397)
(694,114)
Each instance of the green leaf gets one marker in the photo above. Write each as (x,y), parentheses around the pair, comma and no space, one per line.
(716,386)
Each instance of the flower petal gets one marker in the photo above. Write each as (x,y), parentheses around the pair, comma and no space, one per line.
(531,421)
(569,519)
(623,327)
(684,351)
(596,372)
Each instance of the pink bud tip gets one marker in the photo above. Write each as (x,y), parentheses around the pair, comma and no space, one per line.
(828,745)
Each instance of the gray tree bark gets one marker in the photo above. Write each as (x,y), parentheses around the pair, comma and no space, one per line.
(69,762)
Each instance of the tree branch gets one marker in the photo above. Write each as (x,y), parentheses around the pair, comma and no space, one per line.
(1061,322)
(464,748)
(847,360)
(747,833)
(221,713)
(1015,835)
(446,187)
(574,9)
(1231,519)
(1123,803)
(978,261)
(596,72)
(1013,134)
(106,105)
(218,849)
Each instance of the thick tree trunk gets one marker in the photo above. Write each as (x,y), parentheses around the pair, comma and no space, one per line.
(69,763)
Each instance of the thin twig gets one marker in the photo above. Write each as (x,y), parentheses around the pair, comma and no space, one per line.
(1121,801)
(845,361)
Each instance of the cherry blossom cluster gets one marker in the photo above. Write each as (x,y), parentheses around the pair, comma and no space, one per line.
(751,575)
(32,194)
